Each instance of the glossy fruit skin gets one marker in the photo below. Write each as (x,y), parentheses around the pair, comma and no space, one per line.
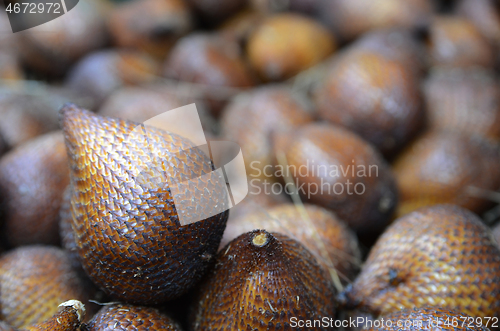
(440,256)
(351,18)
(127,232)
(211,60)
(127,317)
(429,319)
(34,281)
(441,167)
(252,119)
(260,286)
(336,148)
(456,42)
(32,180)
(53,47)
(321,232)
(374,96)
(463,100)
(286,44)
(100,73)
(152,26)
(139,104)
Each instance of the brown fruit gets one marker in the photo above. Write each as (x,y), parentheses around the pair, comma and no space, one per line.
(447,167)
(53,46)
(399,45)
(456,42)
(329,239)
(215,11)
(10,68)
(139,104)
(32,180)
(100,73)
(422,319)
(150,25)
(131,318)
(463,100)
(34,280)
(351,18)
(251,120)
(25,116)
(286,44)
(68,318)
(334,168)
(214,62)
(240,26)
(376,97)
(260,281)
(485,16)
(440,256)
(126,225)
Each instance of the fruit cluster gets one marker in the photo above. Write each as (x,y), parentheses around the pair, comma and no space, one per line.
(370,134)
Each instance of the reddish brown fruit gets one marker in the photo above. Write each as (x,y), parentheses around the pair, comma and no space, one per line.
(286,44)
(376,97)
(336,169)
(69,317)
(131,318)
(329,239)
(251,120)
(127,230)
(447,167)
(214,62)
(423,319)
(139,104)
(53,46)
(351,18)
(24,117)
(260,281)
(485,16)
(456,42)
(32,180)
(397,45)
(100,73)
(463,100)
(150,25)
(34,281)
(441,256)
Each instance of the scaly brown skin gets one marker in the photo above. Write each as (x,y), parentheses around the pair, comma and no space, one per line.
(32,180)
(447,167)
(127,317)
(337,240)
(463,100)
(373,95)
(423,319)
(314,148)
(68,318)
(34,280)
(440,256)
(260,281)
(251,119)
(125,223)
(285,44)
(456,42)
